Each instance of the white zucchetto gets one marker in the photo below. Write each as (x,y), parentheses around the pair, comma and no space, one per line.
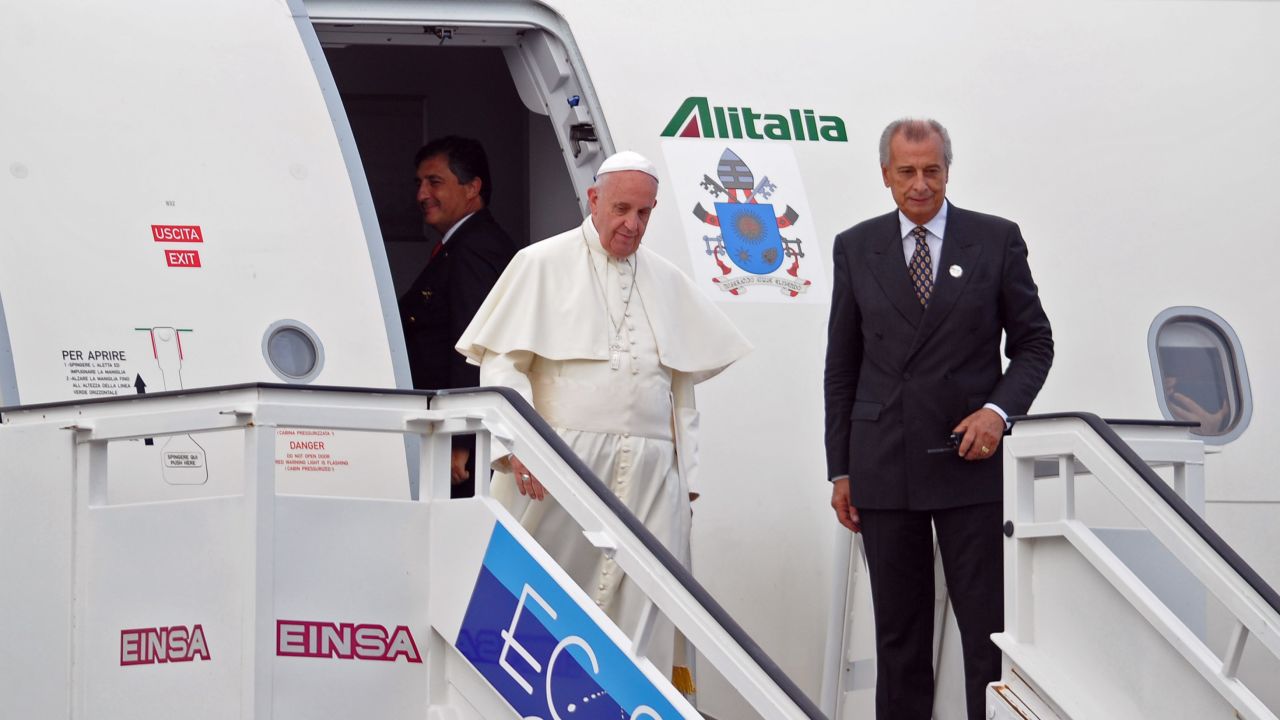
(627,160)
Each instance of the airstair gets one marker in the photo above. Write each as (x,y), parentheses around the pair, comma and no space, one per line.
(1089,632)
(244,601)
(260,599)
(1120,600)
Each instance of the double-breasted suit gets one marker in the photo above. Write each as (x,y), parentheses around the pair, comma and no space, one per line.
(899,377)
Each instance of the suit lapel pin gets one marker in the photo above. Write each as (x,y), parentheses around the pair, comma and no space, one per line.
(956,271)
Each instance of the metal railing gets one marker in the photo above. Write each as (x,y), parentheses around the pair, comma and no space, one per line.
(612,527)
(499,418)
(1046,523)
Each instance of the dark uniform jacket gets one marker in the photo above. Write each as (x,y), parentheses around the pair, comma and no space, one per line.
(441,302)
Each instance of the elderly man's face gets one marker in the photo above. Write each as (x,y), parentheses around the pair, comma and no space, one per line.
(444,200)
(620,207)
(917,176)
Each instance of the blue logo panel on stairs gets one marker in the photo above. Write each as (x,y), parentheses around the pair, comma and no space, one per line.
(542,651)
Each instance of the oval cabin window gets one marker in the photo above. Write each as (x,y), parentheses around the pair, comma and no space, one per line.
(1199,372)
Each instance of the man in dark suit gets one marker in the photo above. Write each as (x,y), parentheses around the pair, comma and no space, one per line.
(453,191)
(920,298)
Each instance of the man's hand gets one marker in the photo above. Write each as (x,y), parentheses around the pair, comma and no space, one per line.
(458,466)
(982,433)
(845,511)
(526,483)
(1184,408)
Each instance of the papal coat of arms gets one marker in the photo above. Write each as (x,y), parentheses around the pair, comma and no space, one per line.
(750,238)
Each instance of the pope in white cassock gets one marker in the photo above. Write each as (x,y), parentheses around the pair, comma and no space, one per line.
(606,339)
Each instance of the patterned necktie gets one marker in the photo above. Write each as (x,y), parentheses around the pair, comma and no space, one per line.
(921,267)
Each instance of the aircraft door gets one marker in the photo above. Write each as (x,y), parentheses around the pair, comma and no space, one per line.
(549,86)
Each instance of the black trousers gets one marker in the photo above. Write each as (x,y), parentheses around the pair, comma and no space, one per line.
(899,547)
(466,488)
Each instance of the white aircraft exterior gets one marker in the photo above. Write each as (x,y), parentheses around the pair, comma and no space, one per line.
(186,186)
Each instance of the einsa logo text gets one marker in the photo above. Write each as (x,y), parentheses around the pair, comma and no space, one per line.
(697,118)
(347,641)
(147,646)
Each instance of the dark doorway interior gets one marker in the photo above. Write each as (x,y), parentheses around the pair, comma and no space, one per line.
(398,97)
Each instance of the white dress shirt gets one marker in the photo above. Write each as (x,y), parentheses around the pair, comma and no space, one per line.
(454,229)
(933,238)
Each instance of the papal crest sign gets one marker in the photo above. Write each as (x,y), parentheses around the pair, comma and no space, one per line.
(750,246)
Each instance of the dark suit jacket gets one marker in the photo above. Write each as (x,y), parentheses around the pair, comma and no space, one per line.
(441,302)
(899,377)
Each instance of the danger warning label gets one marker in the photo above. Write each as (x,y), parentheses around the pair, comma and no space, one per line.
(307,451)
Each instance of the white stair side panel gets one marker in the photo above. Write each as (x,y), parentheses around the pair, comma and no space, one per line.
(363,563)
(36,496)
(1096,654)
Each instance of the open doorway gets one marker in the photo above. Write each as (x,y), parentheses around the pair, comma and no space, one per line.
(404,85)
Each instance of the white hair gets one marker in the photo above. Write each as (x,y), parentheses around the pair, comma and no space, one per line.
(915,130)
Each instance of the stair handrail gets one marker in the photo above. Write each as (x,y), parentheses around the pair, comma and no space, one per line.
(1079,436)
(676,573)
(1197,523)
(97,418)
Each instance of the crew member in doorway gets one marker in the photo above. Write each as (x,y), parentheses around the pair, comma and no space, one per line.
(920,297)
(607,340)
(453,191)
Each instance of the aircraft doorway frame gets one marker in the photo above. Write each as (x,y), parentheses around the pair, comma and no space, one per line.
(546,66)
(545,62)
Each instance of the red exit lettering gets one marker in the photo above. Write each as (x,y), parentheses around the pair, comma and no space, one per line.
(182,258)
(177,233)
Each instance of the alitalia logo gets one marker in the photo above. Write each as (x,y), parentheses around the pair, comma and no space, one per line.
(697,118)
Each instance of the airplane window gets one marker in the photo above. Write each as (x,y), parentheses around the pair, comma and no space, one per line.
(1198,366)
(293,351)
